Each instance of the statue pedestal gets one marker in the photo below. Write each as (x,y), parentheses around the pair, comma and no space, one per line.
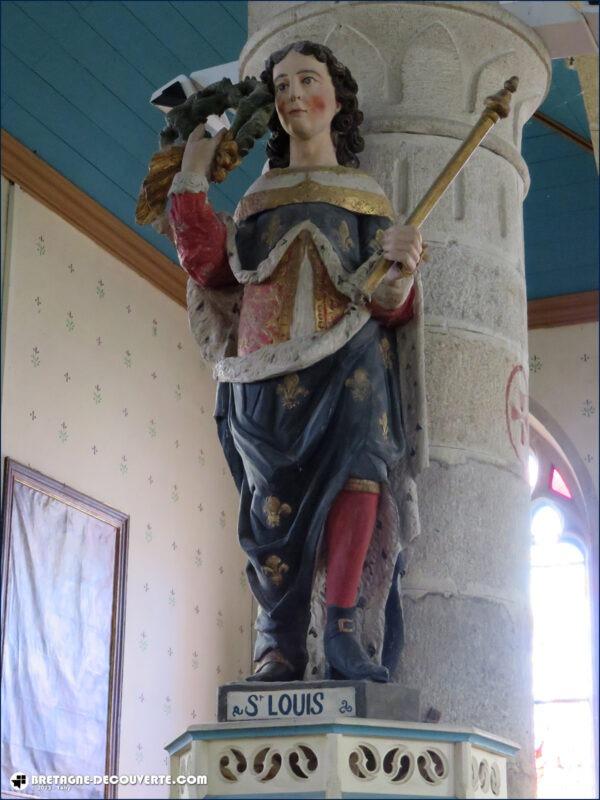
(311,701)
(340,757)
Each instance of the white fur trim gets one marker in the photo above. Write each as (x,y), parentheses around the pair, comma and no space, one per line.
(189,182)
(393,295)
(293,355)
(348,283)
(213,316)
(353,179)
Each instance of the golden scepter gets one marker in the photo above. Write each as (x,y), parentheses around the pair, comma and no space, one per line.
(496,107)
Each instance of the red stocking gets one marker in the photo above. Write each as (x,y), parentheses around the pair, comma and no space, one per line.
(349,529)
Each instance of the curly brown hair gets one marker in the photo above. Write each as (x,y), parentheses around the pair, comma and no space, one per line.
(344,126)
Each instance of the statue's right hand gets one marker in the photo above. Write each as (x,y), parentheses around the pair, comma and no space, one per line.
(200,151)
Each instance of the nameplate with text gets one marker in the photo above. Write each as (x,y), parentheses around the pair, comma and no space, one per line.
(291,703)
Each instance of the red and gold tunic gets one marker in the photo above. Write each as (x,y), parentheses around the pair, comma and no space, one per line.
(301,244)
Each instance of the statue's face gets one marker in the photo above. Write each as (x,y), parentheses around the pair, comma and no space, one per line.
(304,96)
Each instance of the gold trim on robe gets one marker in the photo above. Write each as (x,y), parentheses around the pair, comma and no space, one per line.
(310,191)
(362,485)
(268,307)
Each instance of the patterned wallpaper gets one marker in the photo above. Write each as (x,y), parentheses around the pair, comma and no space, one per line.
(563,378)
(104,391)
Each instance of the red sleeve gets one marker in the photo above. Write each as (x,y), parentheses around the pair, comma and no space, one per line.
(200,236)
(393,317)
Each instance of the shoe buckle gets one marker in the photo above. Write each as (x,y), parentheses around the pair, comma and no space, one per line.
(346,625)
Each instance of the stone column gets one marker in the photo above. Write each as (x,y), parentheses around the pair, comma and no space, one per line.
(423,69)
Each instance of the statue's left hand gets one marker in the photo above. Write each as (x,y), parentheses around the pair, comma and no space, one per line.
(402,244)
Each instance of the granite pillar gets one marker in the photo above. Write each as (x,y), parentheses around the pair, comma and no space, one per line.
(423,69)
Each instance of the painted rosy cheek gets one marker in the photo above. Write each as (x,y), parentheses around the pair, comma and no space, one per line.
(317,103)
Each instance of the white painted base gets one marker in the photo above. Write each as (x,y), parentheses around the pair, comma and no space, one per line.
(340,758)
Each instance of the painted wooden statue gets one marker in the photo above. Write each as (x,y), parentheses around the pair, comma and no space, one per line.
(309,401)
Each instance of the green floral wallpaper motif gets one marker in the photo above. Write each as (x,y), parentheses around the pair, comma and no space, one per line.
(107,394)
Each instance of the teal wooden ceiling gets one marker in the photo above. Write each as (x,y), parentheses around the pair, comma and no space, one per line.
(75,83)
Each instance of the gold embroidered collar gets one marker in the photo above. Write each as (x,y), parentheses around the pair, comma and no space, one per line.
(311,190)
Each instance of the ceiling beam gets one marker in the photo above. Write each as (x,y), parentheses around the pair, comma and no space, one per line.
(564,131)
(565,309)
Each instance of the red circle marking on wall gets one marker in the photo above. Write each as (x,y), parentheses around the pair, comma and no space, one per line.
(516,411)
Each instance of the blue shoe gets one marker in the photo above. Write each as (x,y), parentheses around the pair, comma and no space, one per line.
(346,659)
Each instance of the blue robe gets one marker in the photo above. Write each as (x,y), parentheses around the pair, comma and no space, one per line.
(292,441)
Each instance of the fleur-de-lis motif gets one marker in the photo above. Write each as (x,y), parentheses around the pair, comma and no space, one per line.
(385,348)
(377,241)
(275,570)
(535,364)
(290,391)
(588,409)
(383,424)
(273,509)
(359,384)
(344,237)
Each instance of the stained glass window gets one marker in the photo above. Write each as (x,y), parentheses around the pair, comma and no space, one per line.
(558,484)
(562,662)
